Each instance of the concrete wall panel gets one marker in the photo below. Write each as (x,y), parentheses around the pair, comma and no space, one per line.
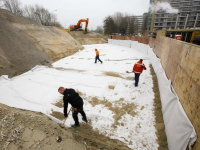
(158,48)
(174,59)
(165,51)
(152,43)
(196,125)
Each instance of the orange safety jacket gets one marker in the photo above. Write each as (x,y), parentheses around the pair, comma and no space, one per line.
(138,67)
(97,52)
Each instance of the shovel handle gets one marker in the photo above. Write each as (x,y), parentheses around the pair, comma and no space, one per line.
(67,116)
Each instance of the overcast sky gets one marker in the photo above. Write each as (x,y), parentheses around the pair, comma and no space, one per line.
(70,11)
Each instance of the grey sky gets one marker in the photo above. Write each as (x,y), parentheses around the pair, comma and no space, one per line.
(70,11)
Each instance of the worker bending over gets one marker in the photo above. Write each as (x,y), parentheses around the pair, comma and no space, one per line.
(97,56)
(137,69)
(72,97)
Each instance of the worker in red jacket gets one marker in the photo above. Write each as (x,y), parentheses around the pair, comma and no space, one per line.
(137,69)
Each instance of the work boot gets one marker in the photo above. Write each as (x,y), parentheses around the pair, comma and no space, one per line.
(74,125)
(102,62)
(85,119)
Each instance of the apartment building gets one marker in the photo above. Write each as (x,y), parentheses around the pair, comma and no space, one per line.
(140,22)
(187,18)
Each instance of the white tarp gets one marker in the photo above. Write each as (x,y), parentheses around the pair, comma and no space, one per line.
(143,48)
(37,90)
(110,41)
(134,45)
(115,42)
(121,42)
(127,43)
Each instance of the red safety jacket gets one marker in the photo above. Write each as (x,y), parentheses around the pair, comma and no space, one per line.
(138,67)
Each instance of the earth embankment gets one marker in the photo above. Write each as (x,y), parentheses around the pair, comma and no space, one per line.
(17,51)
(25,43)
(89,38)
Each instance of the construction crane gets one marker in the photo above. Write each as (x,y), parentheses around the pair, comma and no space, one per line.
(78,26)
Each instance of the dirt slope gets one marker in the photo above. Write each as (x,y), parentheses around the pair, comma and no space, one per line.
(25,43)
(89,38)
(17,52)
(22,129)
(29,130)
(55,42)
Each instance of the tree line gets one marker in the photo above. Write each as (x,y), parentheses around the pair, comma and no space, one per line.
(35,12)
(121,23)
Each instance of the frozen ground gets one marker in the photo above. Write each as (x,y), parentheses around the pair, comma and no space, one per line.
(112,104)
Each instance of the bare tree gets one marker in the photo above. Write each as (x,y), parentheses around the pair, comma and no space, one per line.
(14,6)
(109,25)
(117,17)
(40,14)
(29,12)
(99,29)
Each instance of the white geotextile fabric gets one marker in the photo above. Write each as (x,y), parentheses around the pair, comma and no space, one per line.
(36,90)
(143,48)
(121,42)
(109,41)
(115,42)
(179,130)
(127,43)
(134,44)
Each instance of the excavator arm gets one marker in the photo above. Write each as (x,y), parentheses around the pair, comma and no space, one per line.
(76,27)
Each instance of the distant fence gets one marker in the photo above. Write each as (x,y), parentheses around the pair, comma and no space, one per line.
(144,40)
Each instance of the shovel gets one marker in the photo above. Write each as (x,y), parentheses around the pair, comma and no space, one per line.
(66,118)
(129,72)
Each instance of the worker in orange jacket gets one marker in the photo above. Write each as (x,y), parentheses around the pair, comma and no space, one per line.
(137,69)
(97,56)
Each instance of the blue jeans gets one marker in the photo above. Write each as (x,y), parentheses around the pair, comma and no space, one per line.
(97,57)
(136,79)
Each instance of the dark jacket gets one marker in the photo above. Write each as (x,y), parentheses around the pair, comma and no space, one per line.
(70,96)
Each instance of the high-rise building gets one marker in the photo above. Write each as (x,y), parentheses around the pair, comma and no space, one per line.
(186,18)
(140,22)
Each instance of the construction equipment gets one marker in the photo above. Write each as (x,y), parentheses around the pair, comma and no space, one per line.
(78,26)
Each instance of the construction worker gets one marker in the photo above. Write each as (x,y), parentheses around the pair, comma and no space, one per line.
(72,97)
(97,56)
(137,69)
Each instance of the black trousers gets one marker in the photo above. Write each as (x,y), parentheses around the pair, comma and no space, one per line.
(136,79)
(75,114)
(97,57)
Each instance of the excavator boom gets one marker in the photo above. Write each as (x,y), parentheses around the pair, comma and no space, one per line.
(78,27)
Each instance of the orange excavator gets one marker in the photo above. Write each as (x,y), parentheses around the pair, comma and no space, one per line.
(78,26)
